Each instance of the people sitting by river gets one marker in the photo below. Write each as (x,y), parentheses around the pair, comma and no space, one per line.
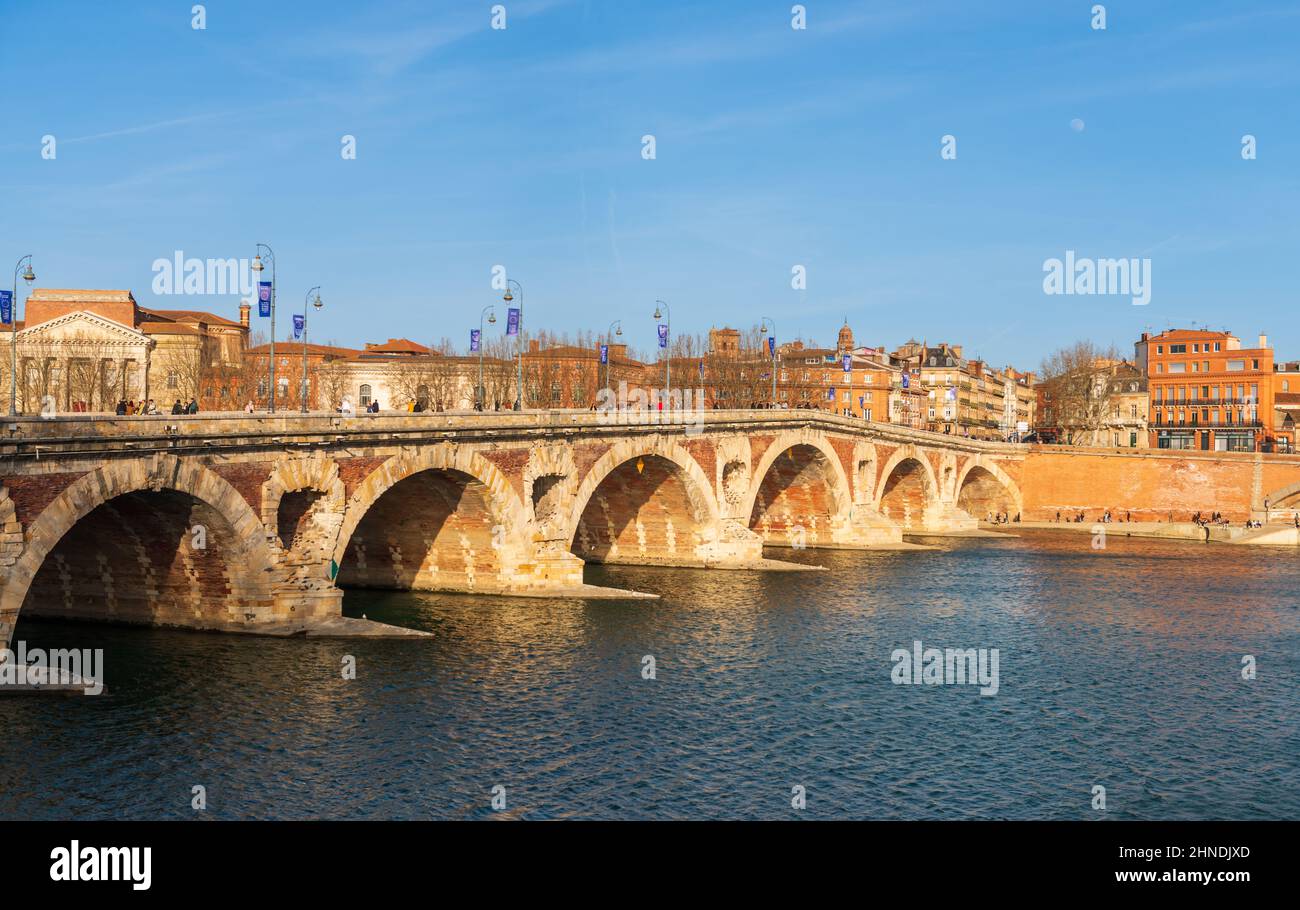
(151,409)
(248,406)
(177,407)
(121,407)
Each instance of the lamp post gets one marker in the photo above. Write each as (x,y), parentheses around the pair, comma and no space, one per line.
(519,336)
(29,276)
(668,357)
(257,267)
(763,329)
(317,304)
(481,392)
(608,337)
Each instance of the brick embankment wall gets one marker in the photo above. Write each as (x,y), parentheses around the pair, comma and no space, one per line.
(1151,485)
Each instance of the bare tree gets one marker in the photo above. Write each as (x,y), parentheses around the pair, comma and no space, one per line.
(1075,389)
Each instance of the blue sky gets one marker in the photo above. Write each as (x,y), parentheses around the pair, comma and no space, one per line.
(774,148)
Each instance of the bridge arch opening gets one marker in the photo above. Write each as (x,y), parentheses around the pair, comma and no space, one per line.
(906,491)
(436,529)
(984,495)
(158,557)
(294,514)
(645,511)
(799,497)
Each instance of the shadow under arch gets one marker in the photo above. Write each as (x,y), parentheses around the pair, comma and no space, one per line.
(160,541)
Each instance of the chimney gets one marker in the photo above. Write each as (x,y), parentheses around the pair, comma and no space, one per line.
(1263,340)
(956,350)
(243,314)
(533,346)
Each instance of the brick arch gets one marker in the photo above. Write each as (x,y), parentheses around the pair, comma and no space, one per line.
(988,498)
(1286,498)
(453,522)
(904,498)
(663,513)
(799,488)
(142,512)
(320,502)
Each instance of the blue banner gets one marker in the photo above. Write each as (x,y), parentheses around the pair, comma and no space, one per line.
(299,323)
(905,380)
(6,307)
(848,363)
(264,299)
(830,394)
(701,369)
(663,335)
(771,345)
(512,321)
(474,336)
(604,353)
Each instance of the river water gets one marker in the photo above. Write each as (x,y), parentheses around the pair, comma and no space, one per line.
(1119,668)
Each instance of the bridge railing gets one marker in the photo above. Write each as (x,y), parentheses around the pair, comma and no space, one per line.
(33,436)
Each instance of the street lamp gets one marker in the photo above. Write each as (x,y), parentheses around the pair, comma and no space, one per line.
(491,314)
(29,276)
(257,267)
(608,336)
(763,329)
(317,304)
(519,337)
(668,357)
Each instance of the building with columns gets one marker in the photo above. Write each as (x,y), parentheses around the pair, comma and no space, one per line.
(85,350)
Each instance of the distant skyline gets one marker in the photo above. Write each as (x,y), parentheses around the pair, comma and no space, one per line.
(775,148)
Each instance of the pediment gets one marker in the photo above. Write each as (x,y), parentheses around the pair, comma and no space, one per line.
(82,326)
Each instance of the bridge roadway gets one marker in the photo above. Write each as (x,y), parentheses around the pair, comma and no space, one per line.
(257,522)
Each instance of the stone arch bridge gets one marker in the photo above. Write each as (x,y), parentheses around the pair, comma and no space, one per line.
(257,523)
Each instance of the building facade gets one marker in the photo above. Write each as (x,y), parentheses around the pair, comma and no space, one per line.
(87,350)
(1207,392)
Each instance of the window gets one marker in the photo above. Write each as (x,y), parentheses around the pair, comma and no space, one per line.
(1178,349)
(1196,349)
(366,396)
(1178,368)
(1205,366)
(172,381)
(1254,364)
(1235,366)
(1216,345)
(1160,349)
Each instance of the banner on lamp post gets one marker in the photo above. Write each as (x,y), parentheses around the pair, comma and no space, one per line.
(848,363)
(771,345)
(512,321)
(604,353)
(663,335)
(299,323)
(474,339)
(6,307)
(264,299)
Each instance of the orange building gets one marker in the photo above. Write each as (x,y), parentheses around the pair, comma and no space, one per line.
(1207,392)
